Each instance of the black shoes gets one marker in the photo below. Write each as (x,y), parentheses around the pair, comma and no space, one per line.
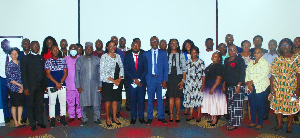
(42,125)
(128,108)
(116,122)
(163,121)
(133,120)
(98,122)
(63,121)
(7,120)
(189,119)
(33,128)
(83,123)
(52,122)
(108,125)
(142,121)
(149,122)
(24,120)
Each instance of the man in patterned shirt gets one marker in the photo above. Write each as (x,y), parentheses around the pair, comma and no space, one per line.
(56,71)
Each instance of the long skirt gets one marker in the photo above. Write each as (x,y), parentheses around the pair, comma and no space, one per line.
(235,104)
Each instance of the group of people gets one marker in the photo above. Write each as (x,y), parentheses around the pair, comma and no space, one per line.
(215,82)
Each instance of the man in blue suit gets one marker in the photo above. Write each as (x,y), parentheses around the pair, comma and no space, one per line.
(156,78)
(136,69)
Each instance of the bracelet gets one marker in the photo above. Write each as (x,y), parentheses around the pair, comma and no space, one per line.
(239,85)
(183,80)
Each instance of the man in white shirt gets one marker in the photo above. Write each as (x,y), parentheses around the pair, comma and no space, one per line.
(4,57)
(206,54)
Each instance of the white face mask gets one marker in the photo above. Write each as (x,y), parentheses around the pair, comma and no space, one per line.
(73,52)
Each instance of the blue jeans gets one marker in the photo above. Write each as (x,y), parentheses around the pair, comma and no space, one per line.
(257,101)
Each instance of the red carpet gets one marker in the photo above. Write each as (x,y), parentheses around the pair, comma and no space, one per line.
(134,132)
(240,132)
(26,132)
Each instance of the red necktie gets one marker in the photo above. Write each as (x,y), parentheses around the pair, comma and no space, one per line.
(136,61)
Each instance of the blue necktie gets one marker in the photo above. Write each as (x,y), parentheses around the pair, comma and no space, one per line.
(155,64)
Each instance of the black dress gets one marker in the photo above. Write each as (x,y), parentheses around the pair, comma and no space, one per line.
(173,81)
(110,94)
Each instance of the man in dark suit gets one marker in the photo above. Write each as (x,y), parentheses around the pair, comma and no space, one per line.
(156,78)
(136,69)
(26,50)
(34,82)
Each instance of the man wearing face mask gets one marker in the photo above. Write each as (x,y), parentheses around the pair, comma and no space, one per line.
(72,93)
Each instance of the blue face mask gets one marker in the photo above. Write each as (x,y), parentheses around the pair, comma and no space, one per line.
(73,52)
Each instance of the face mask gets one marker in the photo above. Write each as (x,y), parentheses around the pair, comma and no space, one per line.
(73,52)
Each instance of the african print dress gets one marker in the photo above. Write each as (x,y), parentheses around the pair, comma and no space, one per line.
(193,96)
(285,84)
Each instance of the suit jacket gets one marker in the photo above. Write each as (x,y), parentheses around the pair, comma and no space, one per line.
(130,71)
(29,73)
(162,66)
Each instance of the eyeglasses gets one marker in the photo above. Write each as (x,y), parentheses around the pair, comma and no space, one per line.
(153,41)
(287,45)
(257,52)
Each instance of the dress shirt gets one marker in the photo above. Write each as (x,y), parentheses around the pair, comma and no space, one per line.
(133,55)
(206,57)
(258,73)
(3,56)
(269,57)
(152,51)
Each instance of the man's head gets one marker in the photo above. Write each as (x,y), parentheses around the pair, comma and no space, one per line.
(135,47)
(122,42)
(229,39)
(163,44)
(5,45)
(114,39)
(137,40)
(54,51)
(222,48)
(297,42)
(99,44)
(257,41)
(35,47)
(63,44)
(272,45)
(88,49)
(26,44)
(154,42)
(209,43)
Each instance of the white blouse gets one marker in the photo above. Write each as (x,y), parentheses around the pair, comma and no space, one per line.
(108,66)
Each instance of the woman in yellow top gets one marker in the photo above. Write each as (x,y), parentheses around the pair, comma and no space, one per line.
(285,84)
(258,84)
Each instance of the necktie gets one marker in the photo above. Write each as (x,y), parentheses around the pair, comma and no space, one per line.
(155,64)
(136,61)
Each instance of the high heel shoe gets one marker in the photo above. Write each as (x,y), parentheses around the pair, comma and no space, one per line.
(189,119)
(177,121)
(108,125)
(215,123)
(171,116)
(116,122)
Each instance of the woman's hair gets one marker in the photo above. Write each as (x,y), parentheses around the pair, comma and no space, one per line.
(79,45)
(245,42)
(196,48)
(14,48)
(289,41)
(106,50)
(169,48)
(184,43)
(45,48)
